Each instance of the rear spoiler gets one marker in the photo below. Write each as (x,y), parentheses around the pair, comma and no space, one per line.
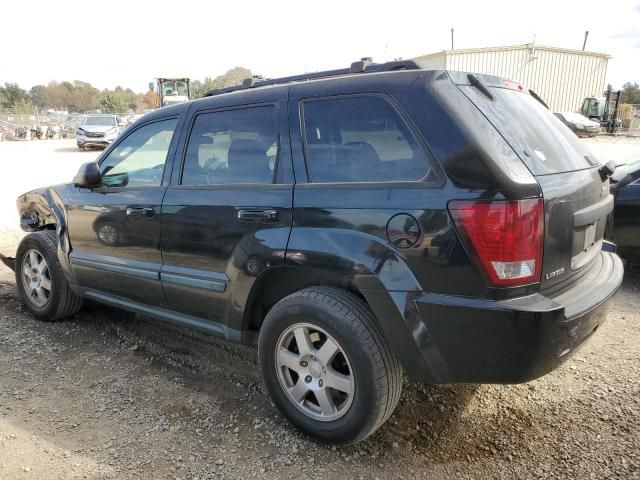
(9,262)
(482,82)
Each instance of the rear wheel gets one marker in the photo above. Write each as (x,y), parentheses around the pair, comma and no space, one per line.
(40,281)
(327,366)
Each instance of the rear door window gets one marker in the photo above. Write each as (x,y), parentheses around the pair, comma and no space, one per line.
(232,146)
(540,139)
(360,139)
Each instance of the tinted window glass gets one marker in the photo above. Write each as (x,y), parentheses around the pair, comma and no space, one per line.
(360,139)
(232,146)
(543,142)
(139,159)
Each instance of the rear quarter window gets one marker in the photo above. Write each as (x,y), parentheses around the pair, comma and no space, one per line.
(360,139)
(540,139)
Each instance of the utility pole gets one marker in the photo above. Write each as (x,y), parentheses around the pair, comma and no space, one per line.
(584,44)
(452,39)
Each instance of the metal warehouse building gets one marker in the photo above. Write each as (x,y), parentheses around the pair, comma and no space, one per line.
(561,77)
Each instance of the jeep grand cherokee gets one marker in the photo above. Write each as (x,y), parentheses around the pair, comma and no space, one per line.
(355,224)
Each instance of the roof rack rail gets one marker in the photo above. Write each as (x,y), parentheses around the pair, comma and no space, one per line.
(365,65)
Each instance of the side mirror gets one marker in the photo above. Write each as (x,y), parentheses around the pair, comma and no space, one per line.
(88,176)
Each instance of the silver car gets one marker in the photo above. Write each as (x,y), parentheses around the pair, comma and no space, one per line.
(97,131)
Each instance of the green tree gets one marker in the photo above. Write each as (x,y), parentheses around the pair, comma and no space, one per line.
(76,96)
(37,95)
(630,93)
(232,77)
(23,107)
(111,103)
(11,95)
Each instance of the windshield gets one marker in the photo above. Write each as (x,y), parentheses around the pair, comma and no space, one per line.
(539,138)
(175,87)
(75,121)
(104,120)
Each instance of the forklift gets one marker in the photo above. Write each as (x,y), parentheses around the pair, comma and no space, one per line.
(171,91)
(603,109)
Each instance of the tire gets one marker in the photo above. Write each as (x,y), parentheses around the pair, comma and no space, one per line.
(60,301)
(364,360)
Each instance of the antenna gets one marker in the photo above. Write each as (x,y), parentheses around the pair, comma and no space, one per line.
(452,38)
(584,44)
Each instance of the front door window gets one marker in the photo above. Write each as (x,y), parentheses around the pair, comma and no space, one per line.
(138,161)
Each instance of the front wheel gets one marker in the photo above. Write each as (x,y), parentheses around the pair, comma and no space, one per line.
(327,366)
(40,281)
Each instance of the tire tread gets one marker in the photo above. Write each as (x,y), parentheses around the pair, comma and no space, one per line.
(69,303)
(364,325)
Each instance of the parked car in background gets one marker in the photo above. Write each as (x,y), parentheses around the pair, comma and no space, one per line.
(623,227)
(579,124)
(355,226)
(97,131)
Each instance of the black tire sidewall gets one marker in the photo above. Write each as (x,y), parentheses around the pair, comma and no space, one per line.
(361,414)
(34,241)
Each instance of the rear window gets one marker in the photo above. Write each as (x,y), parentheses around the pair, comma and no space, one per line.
(540,139)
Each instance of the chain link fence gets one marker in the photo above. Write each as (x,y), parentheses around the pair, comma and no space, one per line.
(39,124)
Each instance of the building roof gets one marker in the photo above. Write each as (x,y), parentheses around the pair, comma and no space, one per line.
(530,46)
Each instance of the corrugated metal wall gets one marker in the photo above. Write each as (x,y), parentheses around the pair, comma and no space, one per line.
(561,78)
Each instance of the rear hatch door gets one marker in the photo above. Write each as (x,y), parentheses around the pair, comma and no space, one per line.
(576,198)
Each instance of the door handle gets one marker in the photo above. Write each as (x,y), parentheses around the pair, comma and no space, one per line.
(258,215)
(140,212)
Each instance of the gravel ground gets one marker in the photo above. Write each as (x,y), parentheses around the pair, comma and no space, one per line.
(111,395)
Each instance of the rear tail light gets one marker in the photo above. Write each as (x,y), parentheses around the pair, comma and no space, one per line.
(506,237)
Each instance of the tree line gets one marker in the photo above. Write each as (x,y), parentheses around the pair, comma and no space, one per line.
(79,96)
(630,93)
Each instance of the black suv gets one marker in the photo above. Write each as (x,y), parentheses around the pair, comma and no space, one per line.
(355,224)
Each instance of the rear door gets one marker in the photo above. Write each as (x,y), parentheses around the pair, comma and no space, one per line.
(227,215)
(369,194)
(576,198)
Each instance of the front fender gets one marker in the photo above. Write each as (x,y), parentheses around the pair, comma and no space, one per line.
(36,210)
(44,209)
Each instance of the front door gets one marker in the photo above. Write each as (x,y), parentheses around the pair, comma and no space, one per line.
(114,229)
(227,215)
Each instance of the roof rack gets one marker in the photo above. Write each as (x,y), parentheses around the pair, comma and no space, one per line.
(365,65)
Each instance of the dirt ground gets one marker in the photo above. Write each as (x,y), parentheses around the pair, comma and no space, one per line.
(110,395)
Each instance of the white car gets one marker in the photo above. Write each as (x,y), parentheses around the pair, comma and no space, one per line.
(97,131)
(579,124)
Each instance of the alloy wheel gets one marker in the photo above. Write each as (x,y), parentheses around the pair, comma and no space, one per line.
(314,372)
(36,278)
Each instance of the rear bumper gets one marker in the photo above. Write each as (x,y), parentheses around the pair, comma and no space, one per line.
(463,340)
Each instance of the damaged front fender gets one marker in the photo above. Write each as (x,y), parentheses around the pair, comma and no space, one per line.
(8,261)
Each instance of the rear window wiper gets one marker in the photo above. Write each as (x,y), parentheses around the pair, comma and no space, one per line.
(479,84)
(537,97)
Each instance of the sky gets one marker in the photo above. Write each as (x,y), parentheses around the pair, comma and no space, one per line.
(129,43)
